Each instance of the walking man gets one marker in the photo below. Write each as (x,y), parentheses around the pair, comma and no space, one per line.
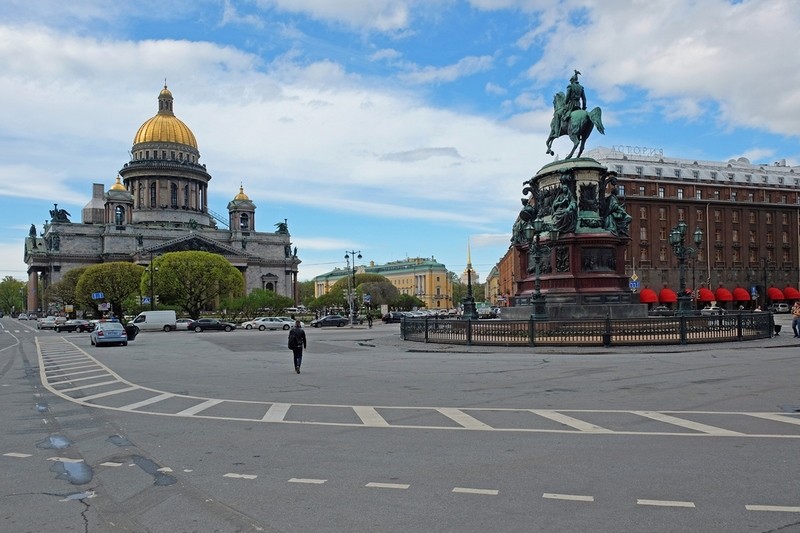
(796,319)
(297,341)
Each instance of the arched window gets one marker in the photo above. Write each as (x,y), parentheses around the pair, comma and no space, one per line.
(173,195)
(186,196)
(244,221)
(270,286)
(153,202)
(119,215)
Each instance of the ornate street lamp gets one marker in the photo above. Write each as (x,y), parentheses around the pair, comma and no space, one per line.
(351,283)
(538,251)
(677,239)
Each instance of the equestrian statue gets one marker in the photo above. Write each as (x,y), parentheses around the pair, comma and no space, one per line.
(571,118)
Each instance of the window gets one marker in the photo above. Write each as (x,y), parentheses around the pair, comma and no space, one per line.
(752,237)
(680,193)
(699,215)
(172,154)
(153,198)
(737,256)
(716,195)
(173,195)
(661,192)
(733,195)
(662,234)
(643,255)
(784,218)
(696,174)
(785,237)
(621,190)
(770,240)
(753,218)
(662,253)
(783,198)
(681,214)
(764,179)
(734,217)
(713,175)
(749,197)
(643,213)
(244,221)
(658,172)
(186,195)
(698,194)
(641,192)
(718,255)
(717,215)
(662,213)
(768,218)
(643,234)
(677,173)
(735,235)
(718,235)
(619,169)
(639,171)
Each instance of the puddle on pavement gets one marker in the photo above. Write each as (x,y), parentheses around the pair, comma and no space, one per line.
(79,496)
(119,440)
(56,442)
(75,473)
(42,407)
(161,479)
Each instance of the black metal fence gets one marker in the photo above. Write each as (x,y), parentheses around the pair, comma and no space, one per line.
(591,332)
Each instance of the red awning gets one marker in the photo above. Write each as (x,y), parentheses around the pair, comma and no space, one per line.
(741,295)
(774,293)
(705,295)
(790,293)
(648,296)
(723,295)
(667,296)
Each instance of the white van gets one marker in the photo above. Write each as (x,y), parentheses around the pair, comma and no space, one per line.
(155,321)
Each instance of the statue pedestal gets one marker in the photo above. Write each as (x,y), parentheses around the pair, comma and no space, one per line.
(584,275)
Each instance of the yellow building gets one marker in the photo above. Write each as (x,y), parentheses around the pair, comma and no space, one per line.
(425,278)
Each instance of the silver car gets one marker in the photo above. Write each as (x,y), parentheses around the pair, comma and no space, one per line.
(108,333)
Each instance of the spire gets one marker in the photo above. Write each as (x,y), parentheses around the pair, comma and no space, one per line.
(469,256)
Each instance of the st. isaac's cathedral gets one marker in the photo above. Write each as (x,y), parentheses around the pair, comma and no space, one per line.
(159,204)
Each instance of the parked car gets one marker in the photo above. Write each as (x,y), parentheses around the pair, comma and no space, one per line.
(393,317)
(270,322)
(330,320)
(108,333)
(80,325)
(780,308)
(22,316)
(183,323)
(47,322)
(203,324)
(661,310)
(712,310)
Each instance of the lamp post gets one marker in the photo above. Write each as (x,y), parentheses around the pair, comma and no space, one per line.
(677,239)
(351,282)
(152,269)
(537,251)
(765,283)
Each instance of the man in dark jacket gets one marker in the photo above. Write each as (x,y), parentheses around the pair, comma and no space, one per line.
(297,341)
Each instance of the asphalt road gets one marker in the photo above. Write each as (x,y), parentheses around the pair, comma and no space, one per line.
(215,431)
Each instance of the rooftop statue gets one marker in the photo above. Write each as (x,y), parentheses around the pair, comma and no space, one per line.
(59,215)
(571,118)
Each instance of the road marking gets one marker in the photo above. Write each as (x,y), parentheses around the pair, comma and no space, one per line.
(149,401)
(561,418)
(688,424)
(463,419)
(400,486)
(276,412)
(570,497)
(93,385)
(109,393)
(484,492)
(18,455)
(111,464)
(307,480)
(778,418)
(773,508)
(64,460)
(369,416)
(198,408)
(240,476)
(665,503)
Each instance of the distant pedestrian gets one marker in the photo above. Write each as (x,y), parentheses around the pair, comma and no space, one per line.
(796,319)
(369,318)
(297,341)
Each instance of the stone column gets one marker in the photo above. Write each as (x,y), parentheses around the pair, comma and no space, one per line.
(33,291)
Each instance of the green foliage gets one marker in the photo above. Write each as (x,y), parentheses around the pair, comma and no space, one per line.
(118,281)
(254,304)
(381,292)
(407,302)
(63,292)
(306,292)
(12,295)
(194,281)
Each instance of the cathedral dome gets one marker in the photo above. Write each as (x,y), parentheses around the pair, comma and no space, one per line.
(165,127)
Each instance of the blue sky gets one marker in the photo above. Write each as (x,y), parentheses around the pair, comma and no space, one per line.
(399,128)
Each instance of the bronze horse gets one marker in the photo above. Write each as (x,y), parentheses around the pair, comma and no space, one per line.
(578,126)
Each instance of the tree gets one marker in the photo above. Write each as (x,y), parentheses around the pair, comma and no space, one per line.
(118,282)
(381,292)
(12,295)
(407,302)
(256,303)
(360,280)
(194,281)
(305,290)
(63,292)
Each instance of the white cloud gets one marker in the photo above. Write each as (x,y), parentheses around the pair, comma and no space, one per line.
(385,54)
(466,66)
(495,89)
(379,15)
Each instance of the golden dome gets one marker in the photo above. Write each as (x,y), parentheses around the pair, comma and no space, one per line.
(241,195)
(118,186)
(165,127)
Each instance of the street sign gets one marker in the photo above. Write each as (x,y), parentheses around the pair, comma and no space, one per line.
(145,299)
(634,284)
(367,298)
(98,296)
(634,277)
